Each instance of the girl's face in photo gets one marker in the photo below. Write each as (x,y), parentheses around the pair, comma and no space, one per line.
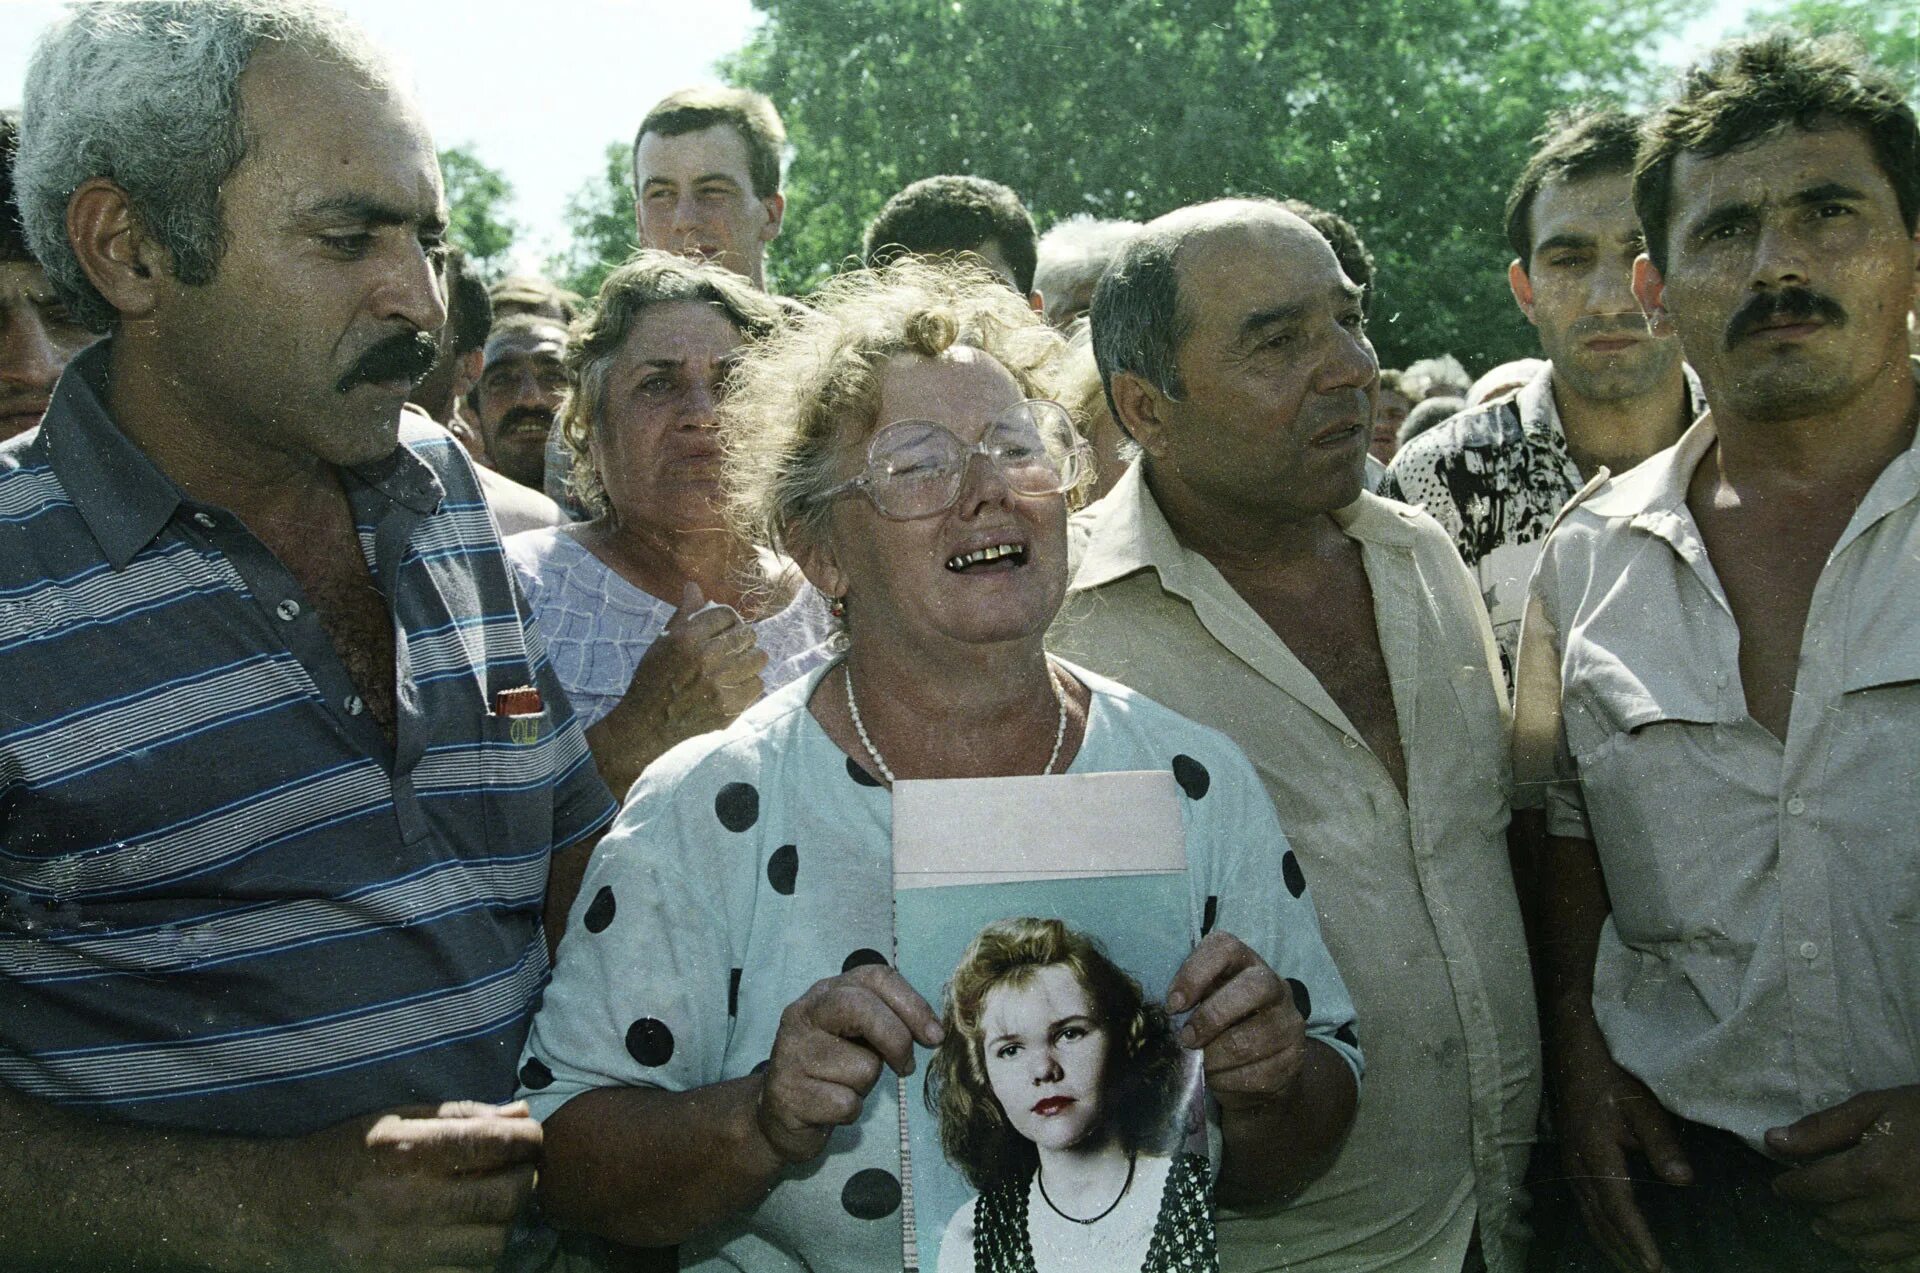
(1046,1057)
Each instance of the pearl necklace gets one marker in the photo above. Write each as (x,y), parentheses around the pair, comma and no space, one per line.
(866,740)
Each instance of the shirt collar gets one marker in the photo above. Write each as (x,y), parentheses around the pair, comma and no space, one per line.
(123,496)
(1540,414)
(1125,531)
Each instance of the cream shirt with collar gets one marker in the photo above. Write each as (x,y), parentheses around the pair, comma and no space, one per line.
(1762,960)
(1416,900)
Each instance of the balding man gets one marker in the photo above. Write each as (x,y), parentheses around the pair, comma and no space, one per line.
(1240,574)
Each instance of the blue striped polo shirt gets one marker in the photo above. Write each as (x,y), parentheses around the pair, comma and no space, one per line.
(226,902)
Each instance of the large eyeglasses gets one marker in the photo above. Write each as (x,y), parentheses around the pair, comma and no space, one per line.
(915,468)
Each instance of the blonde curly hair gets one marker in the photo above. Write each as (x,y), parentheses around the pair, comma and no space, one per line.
(814,386)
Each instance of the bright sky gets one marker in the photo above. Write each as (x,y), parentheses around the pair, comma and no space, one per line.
(537,88)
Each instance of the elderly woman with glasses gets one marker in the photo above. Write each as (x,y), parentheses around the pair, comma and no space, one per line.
(714,1060)
(662,623)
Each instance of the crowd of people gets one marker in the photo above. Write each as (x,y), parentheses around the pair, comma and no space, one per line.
(448,734)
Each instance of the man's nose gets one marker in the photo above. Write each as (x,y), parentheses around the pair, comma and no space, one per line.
(415,287)
(1779,256)
(28,356)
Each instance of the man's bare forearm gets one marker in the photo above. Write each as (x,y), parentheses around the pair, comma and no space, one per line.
(1271,1152)
(1573,907)
(651,1168)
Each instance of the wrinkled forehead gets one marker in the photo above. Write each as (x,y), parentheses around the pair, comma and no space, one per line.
(716,150)
(545,344)
(1268,262)
(962,388)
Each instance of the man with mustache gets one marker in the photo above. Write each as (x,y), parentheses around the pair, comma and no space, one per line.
(283,773)
(1612,393)
(521,381)
(1239,573)
(1718,701)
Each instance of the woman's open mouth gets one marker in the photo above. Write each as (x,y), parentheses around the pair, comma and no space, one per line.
(1052,1105)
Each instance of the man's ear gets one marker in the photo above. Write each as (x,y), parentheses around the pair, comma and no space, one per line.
(776,206)
(1141,410)
(1521,285)
(121,262)
(1650,289)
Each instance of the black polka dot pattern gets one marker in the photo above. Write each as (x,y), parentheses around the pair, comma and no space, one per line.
(1290,872)
(860,775)
(650,1042)
(1302,1001)
(783,869)
(1192,776)
(600,912)
(1210,917)
(862,956)
(872,1194)
(762,1067)
(733,993)
(1347,1035)
(737,806)
(535,1076)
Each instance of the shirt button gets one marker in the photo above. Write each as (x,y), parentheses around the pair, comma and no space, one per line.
(355,705)
(1809,951)
(1796,806)
(288,610)
(203,521)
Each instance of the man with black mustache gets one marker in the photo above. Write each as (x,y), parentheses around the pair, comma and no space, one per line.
(521,381)
(1612,393)
(283,773)
(1718,702)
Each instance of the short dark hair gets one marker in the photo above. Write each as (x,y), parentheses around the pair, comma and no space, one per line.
(1589,141)
(1348,247)
(955,214)
(469,308)
(1755,88)
(751,114)
(13,238)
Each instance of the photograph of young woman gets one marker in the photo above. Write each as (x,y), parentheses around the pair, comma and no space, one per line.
(1060,1094)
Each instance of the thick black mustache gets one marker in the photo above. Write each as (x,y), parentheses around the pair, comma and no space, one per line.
(406,356)
(1795,303)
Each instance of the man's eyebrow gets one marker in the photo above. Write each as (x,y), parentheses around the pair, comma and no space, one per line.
(1722,214)
(372,210)
(1273,316)
(1828,192)
(1567,239)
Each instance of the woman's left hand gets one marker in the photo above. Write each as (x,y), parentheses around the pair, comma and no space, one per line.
(1251,1037)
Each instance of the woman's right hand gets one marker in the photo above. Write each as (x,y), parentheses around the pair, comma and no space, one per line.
(828,1053)
(700,672)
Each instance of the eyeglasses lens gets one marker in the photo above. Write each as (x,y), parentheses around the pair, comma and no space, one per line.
(917,467)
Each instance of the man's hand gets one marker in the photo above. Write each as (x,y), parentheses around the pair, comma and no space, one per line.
(1602,1113)
(416,1188)
(1251,1037)
(1861,1173)
(828,1053)
(701,672)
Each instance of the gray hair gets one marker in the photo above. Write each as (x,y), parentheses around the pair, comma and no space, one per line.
(145,93)
(1075,251)
(1429,377)
(1136,317)
(647,279)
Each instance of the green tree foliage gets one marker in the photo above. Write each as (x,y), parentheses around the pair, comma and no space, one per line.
(476,202)
(1409,117)
(1888,29)
(600,225)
